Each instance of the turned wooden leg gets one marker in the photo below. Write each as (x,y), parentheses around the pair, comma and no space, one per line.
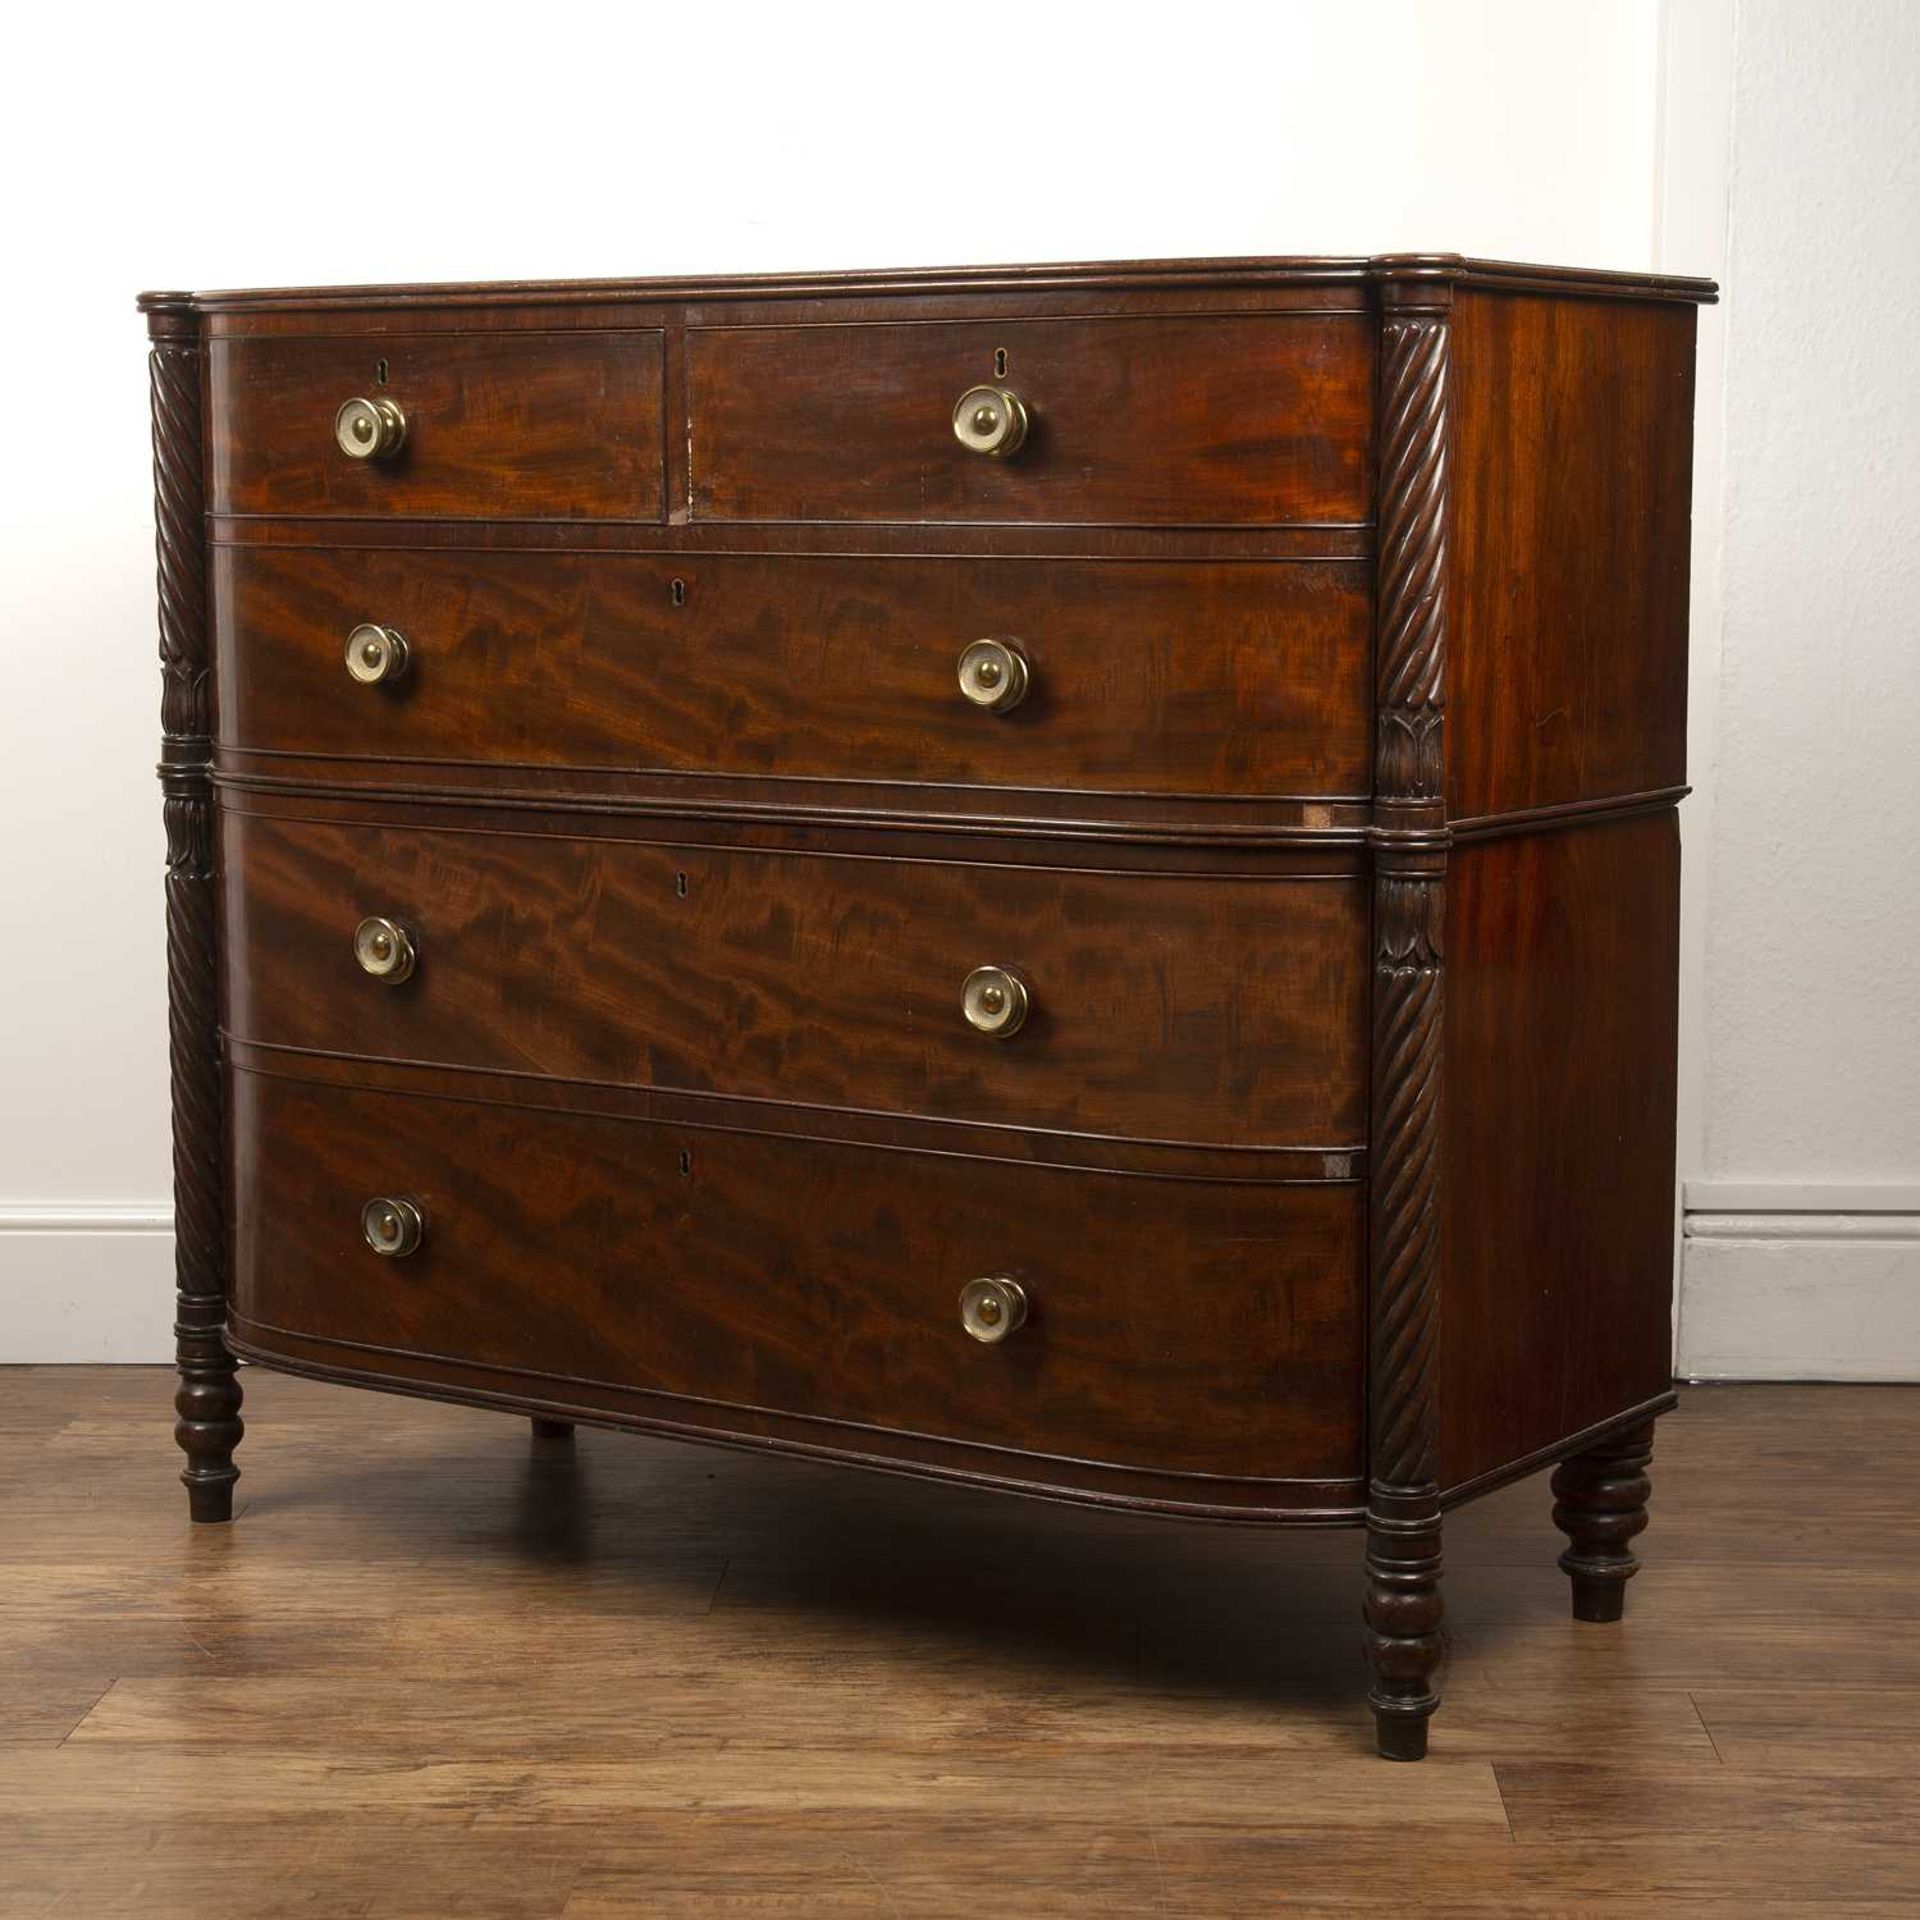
(207,1404)
(1600,1504)
(1403,1615)
(545,1429)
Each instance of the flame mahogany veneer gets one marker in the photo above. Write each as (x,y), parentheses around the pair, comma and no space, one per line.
(1329,1177)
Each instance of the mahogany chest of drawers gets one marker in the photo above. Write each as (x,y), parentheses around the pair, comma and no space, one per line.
(1060,878)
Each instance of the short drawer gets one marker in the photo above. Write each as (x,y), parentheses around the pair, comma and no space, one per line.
(1157,420)
(1170,1324)
(1140,677)
(564,426)
(1175,1007)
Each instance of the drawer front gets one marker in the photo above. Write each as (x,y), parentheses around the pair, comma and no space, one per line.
(1163,420)
(563,426)
(1171,1324)
(1142,677)
(1163,1007)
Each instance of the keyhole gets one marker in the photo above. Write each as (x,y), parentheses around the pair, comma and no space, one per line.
(999,363)
(680,885)
(677,593)
(380,374)
(686,1163)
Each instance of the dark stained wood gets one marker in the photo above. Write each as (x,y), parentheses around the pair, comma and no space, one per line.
(1329,940)
(1173,1326)
(1562,964)
(1147,678)
(1403,1610)
(1161,420)
(1296,277)
(826,980)
(207,1401)
(1600,1504)
(493,425)
(1572,479)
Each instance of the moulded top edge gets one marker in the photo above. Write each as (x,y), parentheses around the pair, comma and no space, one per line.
(1145,275)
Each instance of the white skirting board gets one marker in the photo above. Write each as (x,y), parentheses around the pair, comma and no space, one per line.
(86,1282)
(1802,1282)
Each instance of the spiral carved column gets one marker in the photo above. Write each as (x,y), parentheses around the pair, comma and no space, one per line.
(1600,1504)
(207,1403)
(1403,1607)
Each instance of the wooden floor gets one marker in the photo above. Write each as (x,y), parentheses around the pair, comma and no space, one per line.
(437,1668)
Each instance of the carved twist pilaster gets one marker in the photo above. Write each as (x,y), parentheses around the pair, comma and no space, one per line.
(1600,1504)
(1410,655)
(1405,1224)
(207,1404)
(1403,1608)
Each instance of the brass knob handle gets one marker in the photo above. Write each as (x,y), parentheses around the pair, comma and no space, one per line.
(990,420)
(995,1001)
(994,674)
(370,429)
(376,656)
(391,1226)
(991,1309)
(384,949)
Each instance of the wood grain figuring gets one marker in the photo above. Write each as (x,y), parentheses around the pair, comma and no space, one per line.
(1169,678)
(1573,485)
(1173,1326)
(1334,842)
(1159,420)
(494,425)
(833,981)
(1562,948)
(441,1668)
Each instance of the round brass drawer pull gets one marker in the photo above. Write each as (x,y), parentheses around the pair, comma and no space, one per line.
(370,429)
(385,950)
(995,1001)
(991,1309)
(994,674)
(376,656)
(990,420)
(392,1227)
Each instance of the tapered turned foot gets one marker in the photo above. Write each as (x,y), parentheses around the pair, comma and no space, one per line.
(545,1429)
(1600,1504)
(206,1405)
(1403,1615)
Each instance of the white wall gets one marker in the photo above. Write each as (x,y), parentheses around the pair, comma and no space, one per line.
(1803,1227)
(229,146)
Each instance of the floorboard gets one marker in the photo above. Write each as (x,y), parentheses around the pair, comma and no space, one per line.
(435,1668)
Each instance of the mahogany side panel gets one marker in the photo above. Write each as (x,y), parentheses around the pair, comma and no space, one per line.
(1147,677)
(1174,1326)
(555,426)
(1171,1007)
(1561,1025)
(207,1403)
(1160,419)
(1572,467)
